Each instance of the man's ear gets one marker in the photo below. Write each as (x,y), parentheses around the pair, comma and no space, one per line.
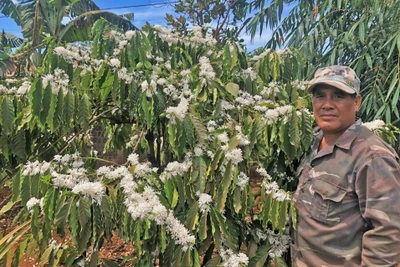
(358,101)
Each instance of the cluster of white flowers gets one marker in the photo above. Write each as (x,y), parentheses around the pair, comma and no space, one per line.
(33,202)
(243,140)
(277,193)
(263,172)
(115,63)
(58,81)
(74,53)
(36,167)
(147,205)
(272,115)
(284,52)
(235,155)
(204,201)
(272,88)
(244,99)
(262,55)
(112,173)
(79,56)
(250,73)
(231,259)
(223,137)
(167,34)
(206,70)
(302,85)
(279,243)
(243,181)
(198,151)
(373,125)
(270,53)
(124,75)
(67,171)
(175,168)
(198,38)
(21,90)
(179,111)
(93,190)
(211,125)
(271,187)
(149,89)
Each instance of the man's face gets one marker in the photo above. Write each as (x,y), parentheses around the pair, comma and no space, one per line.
(334,110)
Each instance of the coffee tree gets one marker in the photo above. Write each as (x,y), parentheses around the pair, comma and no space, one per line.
(212,138)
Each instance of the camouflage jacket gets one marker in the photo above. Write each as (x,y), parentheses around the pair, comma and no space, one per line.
(348,203)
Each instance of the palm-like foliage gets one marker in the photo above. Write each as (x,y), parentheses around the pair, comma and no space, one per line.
(58,21)
(362,34)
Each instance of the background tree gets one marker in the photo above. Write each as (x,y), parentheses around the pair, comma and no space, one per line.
(43,22)
(362,34)
(226,18)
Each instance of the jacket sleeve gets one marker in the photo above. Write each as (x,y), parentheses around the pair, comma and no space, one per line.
(378,189)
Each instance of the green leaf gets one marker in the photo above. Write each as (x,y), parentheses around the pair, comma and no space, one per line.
(69,108)
(148,110)
(19,144)
(227,59)
(223,188)
(215,229)
(84,110)
(192,217)
(200,129)
(202,232)
(294,132)
(36,97)
(25,189)
(7,115)
(293,214)
(283,212)
(46,102)
(214,262)
(261,256)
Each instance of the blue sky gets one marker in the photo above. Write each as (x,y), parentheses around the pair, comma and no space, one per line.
(144,10)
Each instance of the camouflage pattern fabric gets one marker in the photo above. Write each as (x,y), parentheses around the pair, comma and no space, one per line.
(348,203)
(341,77)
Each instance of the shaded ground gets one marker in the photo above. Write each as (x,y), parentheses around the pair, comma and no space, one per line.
(114,249)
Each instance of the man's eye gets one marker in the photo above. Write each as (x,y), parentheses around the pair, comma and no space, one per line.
(339,96)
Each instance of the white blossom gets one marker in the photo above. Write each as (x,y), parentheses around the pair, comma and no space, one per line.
(373,125)
(204,201)
(58,81)
(115,63)
(231,259)
(175,168)
(235,155)
(206,70)
(179,111)
(223,137)
(243,181)
(129,34)
(133,158)
(250,72)
(94,190)
(33,202)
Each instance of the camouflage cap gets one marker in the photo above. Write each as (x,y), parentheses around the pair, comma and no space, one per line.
(341,77)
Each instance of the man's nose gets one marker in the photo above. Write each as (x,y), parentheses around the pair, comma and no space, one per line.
(328,102)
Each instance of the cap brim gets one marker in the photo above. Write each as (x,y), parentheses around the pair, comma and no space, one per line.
(339,85)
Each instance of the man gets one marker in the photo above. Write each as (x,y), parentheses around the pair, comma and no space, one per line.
(348,197)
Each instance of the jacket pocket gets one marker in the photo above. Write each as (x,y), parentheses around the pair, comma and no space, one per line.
(327,201)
